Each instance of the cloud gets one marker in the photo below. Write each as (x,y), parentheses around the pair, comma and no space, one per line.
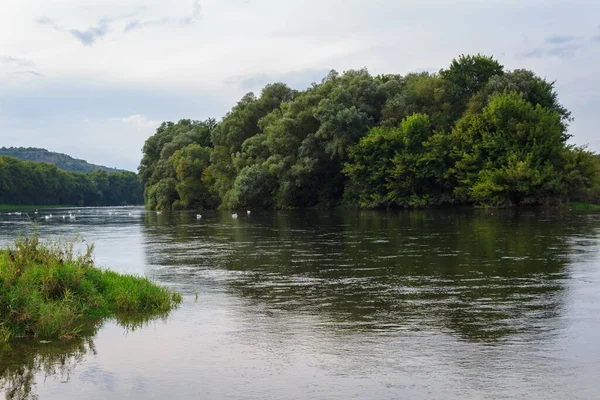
(561,39)
(132,25)
(19,62)
(91,34)
(50,22)
(138,121)
(535,53)
(563,51)
(18,67)
(88,36)
(560,46)
(137,24)
(195,13)
(28,72)
(560,51)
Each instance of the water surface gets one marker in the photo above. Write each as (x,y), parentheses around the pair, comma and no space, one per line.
(334,305)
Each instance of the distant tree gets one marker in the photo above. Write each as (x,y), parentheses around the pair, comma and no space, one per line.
(26,182)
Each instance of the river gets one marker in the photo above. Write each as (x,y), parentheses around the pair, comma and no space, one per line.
(342,304)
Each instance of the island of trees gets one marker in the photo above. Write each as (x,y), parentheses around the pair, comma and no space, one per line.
(473,133)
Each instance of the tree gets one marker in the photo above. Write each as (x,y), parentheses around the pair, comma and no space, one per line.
(38,183)
(469,74)
(189,164)
(512,152)
(165,152)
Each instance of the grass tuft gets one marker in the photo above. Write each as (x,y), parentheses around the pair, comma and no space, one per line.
(50,290)
(578,206)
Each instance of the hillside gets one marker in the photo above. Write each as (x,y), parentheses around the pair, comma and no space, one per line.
(62,161)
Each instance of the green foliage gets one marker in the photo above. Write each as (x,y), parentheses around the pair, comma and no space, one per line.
(471,134)
(534,89)
(190,163)
(469,74)
(36,183)
(49,290)
(371,168)
(512,152)
(173,165)
(253,187)
(426,94)
(387,165)
(577,206)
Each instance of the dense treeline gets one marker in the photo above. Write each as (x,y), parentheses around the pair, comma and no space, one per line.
(25,182)
(473,133)
(62,161)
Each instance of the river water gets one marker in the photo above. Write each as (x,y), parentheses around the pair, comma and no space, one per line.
(334,305)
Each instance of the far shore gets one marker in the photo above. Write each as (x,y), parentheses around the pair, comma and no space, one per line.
(30,207)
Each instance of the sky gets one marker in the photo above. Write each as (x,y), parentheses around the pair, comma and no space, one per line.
(94,78)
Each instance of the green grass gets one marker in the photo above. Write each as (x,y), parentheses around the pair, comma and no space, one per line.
(578,206)
(48,290)
(10,207)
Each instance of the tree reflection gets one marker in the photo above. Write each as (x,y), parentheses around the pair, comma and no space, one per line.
(481,275)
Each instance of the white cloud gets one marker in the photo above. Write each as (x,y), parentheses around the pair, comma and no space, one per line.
(138,121)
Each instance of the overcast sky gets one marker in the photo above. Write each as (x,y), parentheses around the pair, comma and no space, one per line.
(94,78)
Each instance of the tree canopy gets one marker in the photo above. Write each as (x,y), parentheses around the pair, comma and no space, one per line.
(473,133)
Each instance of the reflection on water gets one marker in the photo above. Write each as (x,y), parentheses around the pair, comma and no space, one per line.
(344,303)
(23,360)
(484,279)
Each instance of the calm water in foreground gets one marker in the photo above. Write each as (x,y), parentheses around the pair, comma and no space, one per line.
(335,305)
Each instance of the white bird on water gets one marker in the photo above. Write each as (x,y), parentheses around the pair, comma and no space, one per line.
(234,216)
(248,212)
(198,216)
(71,216)
(36,211)
(158,212)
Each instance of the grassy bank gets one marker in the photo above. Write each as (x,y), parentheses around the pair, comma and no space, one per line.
(578,206)
(48,290)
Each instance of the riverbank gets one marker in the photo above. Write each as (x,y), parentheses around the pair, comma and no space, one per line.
(48,290)
(578,206)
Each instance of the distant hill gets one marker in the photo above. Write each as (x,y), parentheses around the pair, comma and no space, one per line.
(62,161)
